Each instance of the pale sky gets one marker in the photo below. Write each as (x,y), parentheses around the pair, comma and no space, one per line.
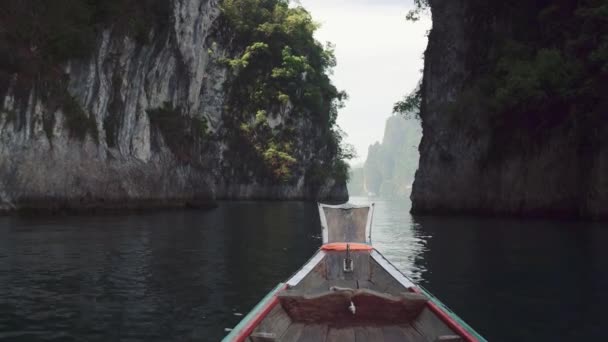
(379,57)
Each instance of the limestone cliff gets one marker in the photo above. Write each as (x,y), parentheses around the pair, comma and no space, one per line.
(140,123)
(389,168)
(512,116)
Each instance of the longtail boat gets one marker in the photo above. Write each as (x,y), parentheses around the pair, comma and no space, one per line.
(348,291)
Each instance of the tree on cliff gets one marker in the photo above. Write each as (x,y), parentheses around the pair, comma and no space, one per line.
(550,70)
(409,106)
(420,6)
(282,67)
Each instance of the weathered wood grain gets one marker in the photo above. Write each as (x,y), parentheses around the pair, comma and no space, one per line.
(335,265)
(413,335)
(340,335)
(380,280)
(431,326)
(263,337)
(367,334)
(366,284)
(276,322)
(293,333)
(371,307)
(314,333)
(393,334)
(342,283)
(346,225)
(315,280)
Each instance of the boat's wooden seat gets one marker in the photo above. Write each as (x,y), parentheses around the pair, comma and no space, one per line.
(370,307)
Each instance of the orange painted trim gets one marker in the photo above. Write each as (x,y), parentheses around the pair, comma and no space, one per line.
(341,246)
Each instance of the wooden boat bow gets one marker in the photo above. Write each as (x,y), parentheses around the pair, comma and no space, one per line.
(348,291)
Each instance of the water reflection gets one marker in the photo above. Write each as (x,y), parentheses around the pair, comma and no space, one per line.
(182,275)
(176,276)
(517,280)
(395,235)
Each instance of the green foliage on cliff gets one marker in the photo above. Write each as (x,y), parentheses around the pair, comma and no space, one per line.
(548,69)
(41,33)
(274,152)
(281,59)
(277,69)
(566,63)
(409,106)
(279,160)
(420,6)
(282,69)
(343,152)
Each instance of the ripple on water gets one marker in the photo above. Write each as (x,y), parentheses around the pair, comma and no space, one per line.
(182,275)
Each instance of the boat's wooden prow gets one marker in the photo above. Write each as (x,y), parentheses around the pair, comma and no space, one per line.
(349,292)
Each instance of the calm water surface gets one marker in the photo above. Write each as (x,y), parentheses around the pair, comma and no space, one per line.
(188,275)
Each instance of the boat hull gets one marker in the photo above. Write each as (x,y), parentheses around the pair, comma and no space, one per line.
(388,281)
(348,291)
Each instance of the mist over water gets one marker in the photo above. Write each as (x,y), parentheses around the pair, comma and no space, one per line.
(189,275)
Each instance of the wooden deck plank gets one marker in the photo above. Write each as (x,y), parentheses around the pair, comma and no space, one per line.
(413,335)
(308,291)
(340,335)
(393,333)
(315,279)
(314,333)
(381,261)
(276,322)
(431,326)
(293,333)
(335,265)
(367,334)
(382,281)
(333,262)
(343,284)
(367,284)
(262,337)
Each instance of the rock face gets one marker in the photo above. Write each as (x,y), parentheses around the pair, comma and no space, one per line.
(123,160)
(463,170)
(389,169)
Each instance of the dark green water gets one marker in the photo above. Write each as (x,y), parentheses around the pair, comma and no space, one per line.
(187,275)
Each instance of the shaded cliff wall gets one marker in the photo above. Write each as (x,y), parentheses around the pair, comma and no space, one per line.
(513,122)
(142,122)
